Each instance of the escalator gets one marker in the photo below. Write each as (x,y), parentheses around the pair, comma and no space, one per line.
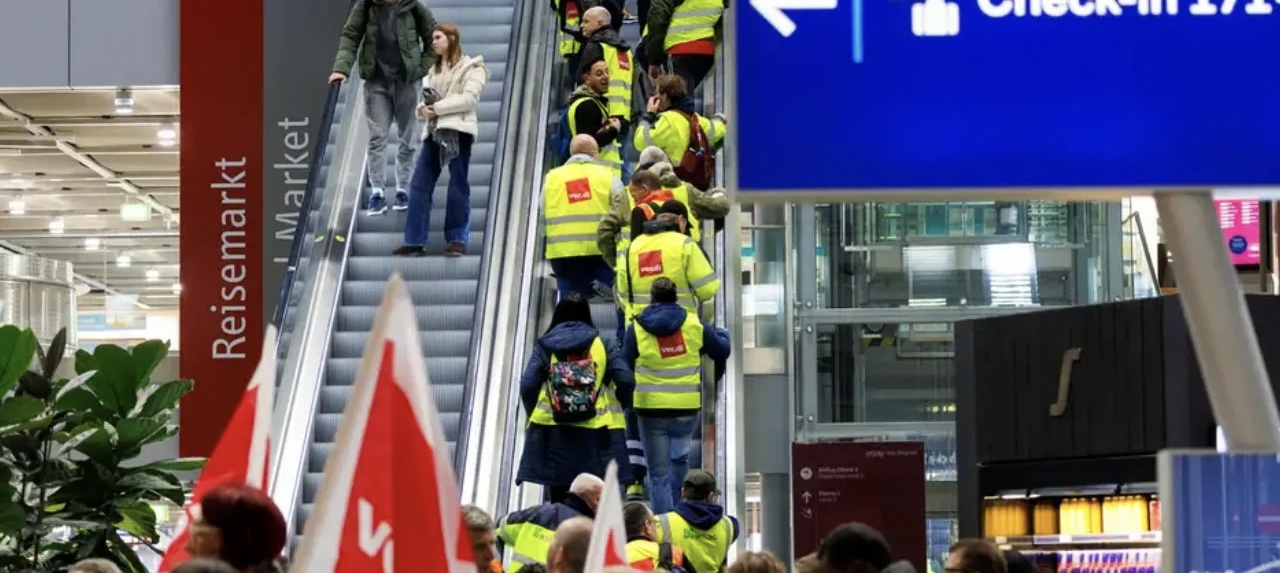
(352,260)
(537,301)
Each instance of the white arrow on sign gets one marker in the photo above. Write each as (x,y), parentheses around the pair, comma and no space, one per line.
(374,540)
(772,11)
(806,496)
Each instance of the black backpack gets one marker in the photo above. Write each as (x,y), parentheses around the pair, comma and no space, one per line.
(667,559)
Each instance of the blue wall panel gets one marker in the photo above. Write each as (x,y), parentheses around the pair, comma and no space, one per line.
(33,41)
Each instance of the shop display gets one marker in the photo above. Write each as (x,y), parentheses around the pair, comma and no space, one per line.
(1096,561)
(1119,515)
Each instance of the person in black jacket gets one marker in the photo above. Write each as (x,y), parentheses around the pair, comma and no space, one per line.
(588,106)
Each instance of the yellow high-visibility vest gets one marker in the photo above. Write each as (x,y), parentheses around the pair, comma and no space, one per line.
(704,550)
(569,45)
(669,368)
(621,70)
(693,20)
(609,154)
(574,199)
(608,410)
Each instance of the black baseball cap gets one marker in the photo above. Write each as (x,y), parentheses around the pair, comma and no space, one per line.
(675,208)
(698,484)
(853,542)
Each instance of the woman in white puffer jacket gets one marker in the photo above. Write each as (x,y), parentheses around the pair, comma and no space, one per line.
(451,94)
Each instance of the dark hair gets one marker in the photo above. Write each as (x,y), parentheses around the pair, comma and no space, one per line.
(663,291)
(854,544)
(673,87)
(572,308)
(253,530)
(636,516)
(642,214)
(1017,563)
(646,179)
(204,566)
(978,556)
(534,568)
(585,67)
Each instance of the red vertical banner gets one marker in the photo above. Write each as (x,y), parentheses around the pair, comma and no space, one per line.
(221,226)
(880,484)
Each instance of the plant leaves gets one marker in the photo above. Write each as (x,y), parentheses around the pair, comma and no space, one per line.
(117,376)
(175,465)
(74,441)
(53,356)
(123,554)
(133,433)
(98,448)
(85,362)
(164,398)
(83,399)
(19,410)
(137,519)
(74,383)
(17,349)
(13,516)
(35,384)
(146,357)
(156,483)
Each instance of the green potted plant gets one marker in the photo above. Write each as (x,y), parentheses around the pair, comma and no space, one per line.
(70,484)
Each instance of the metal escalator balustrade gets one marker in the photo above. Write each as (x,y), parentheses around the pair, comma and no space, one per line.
(314,201)
(445,290)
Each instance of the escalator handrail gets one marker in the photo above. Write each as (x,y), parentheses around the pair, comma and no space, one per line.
(308,201)
(530,311)
(306,359)
(487,336)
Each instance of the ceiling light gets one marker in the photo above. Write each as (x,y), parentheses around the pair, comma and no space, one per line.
(153,275)
(92,244)
(17,207)
(57,226)
(135,212)
(124,101)
(167,133)
(123,261)
(176,288)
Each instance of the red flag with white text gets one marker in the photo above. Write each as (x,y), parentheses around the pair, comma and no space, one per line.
(609,531)
(390,476)
(242,453)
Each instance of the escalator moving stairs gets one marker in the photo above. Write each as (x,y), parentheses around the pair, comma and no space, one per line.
(322,179)
(444,290)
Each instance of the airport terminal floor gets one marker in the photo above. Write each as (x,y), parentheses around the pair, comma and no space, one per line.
(1027,370)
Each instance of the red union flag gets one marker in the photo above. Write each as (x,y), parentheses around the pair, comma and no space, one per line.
(390,477)
(242,451)
(609,532)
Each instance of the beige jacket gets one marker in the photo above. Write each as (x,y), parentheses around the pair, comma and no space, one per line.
(460,86)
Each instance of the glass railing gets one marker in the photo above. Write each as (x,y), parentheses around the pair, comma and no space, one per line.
(301,249)
(1140,279)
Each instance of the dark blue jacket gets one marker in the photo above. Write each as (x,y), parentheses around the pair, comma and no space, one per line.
(704,516)
(661,319)
(554,455)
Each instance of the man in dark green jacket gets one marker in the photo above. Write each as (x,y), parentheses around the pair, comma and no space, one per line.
(393,41)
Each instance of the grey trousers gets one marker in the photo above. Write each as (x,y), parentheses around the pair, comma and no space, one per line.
(386,101)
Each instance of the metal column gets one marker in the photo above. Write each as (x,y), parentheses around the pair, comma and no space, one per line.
(1221,329)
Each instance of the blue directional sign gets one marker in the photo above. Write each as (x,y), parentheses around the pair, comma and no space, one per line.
(996,94)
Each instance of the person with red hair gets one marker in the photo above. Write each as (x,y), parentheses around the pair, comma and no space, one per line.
(240,525)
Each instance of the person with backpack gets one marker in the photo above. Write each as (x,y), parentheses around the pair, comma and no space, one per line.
(664,346)
(588,114)
(698,524)
(392,39)
(688,139)
(643,550)
(602,41)
(574,198)
(574,390)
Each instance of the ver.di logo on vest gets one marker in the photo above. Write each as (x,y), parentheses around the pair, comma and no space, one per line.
(672,345)
(578,190)
(624,61)
(650,263)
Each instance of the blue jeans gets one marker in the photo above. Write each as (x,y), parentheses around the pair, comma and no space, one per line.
(579,274)
(667,442)
(457,209)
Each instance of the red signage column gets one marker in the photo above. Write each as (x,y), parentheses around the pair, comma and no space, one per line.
(880,484)
(221,197)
